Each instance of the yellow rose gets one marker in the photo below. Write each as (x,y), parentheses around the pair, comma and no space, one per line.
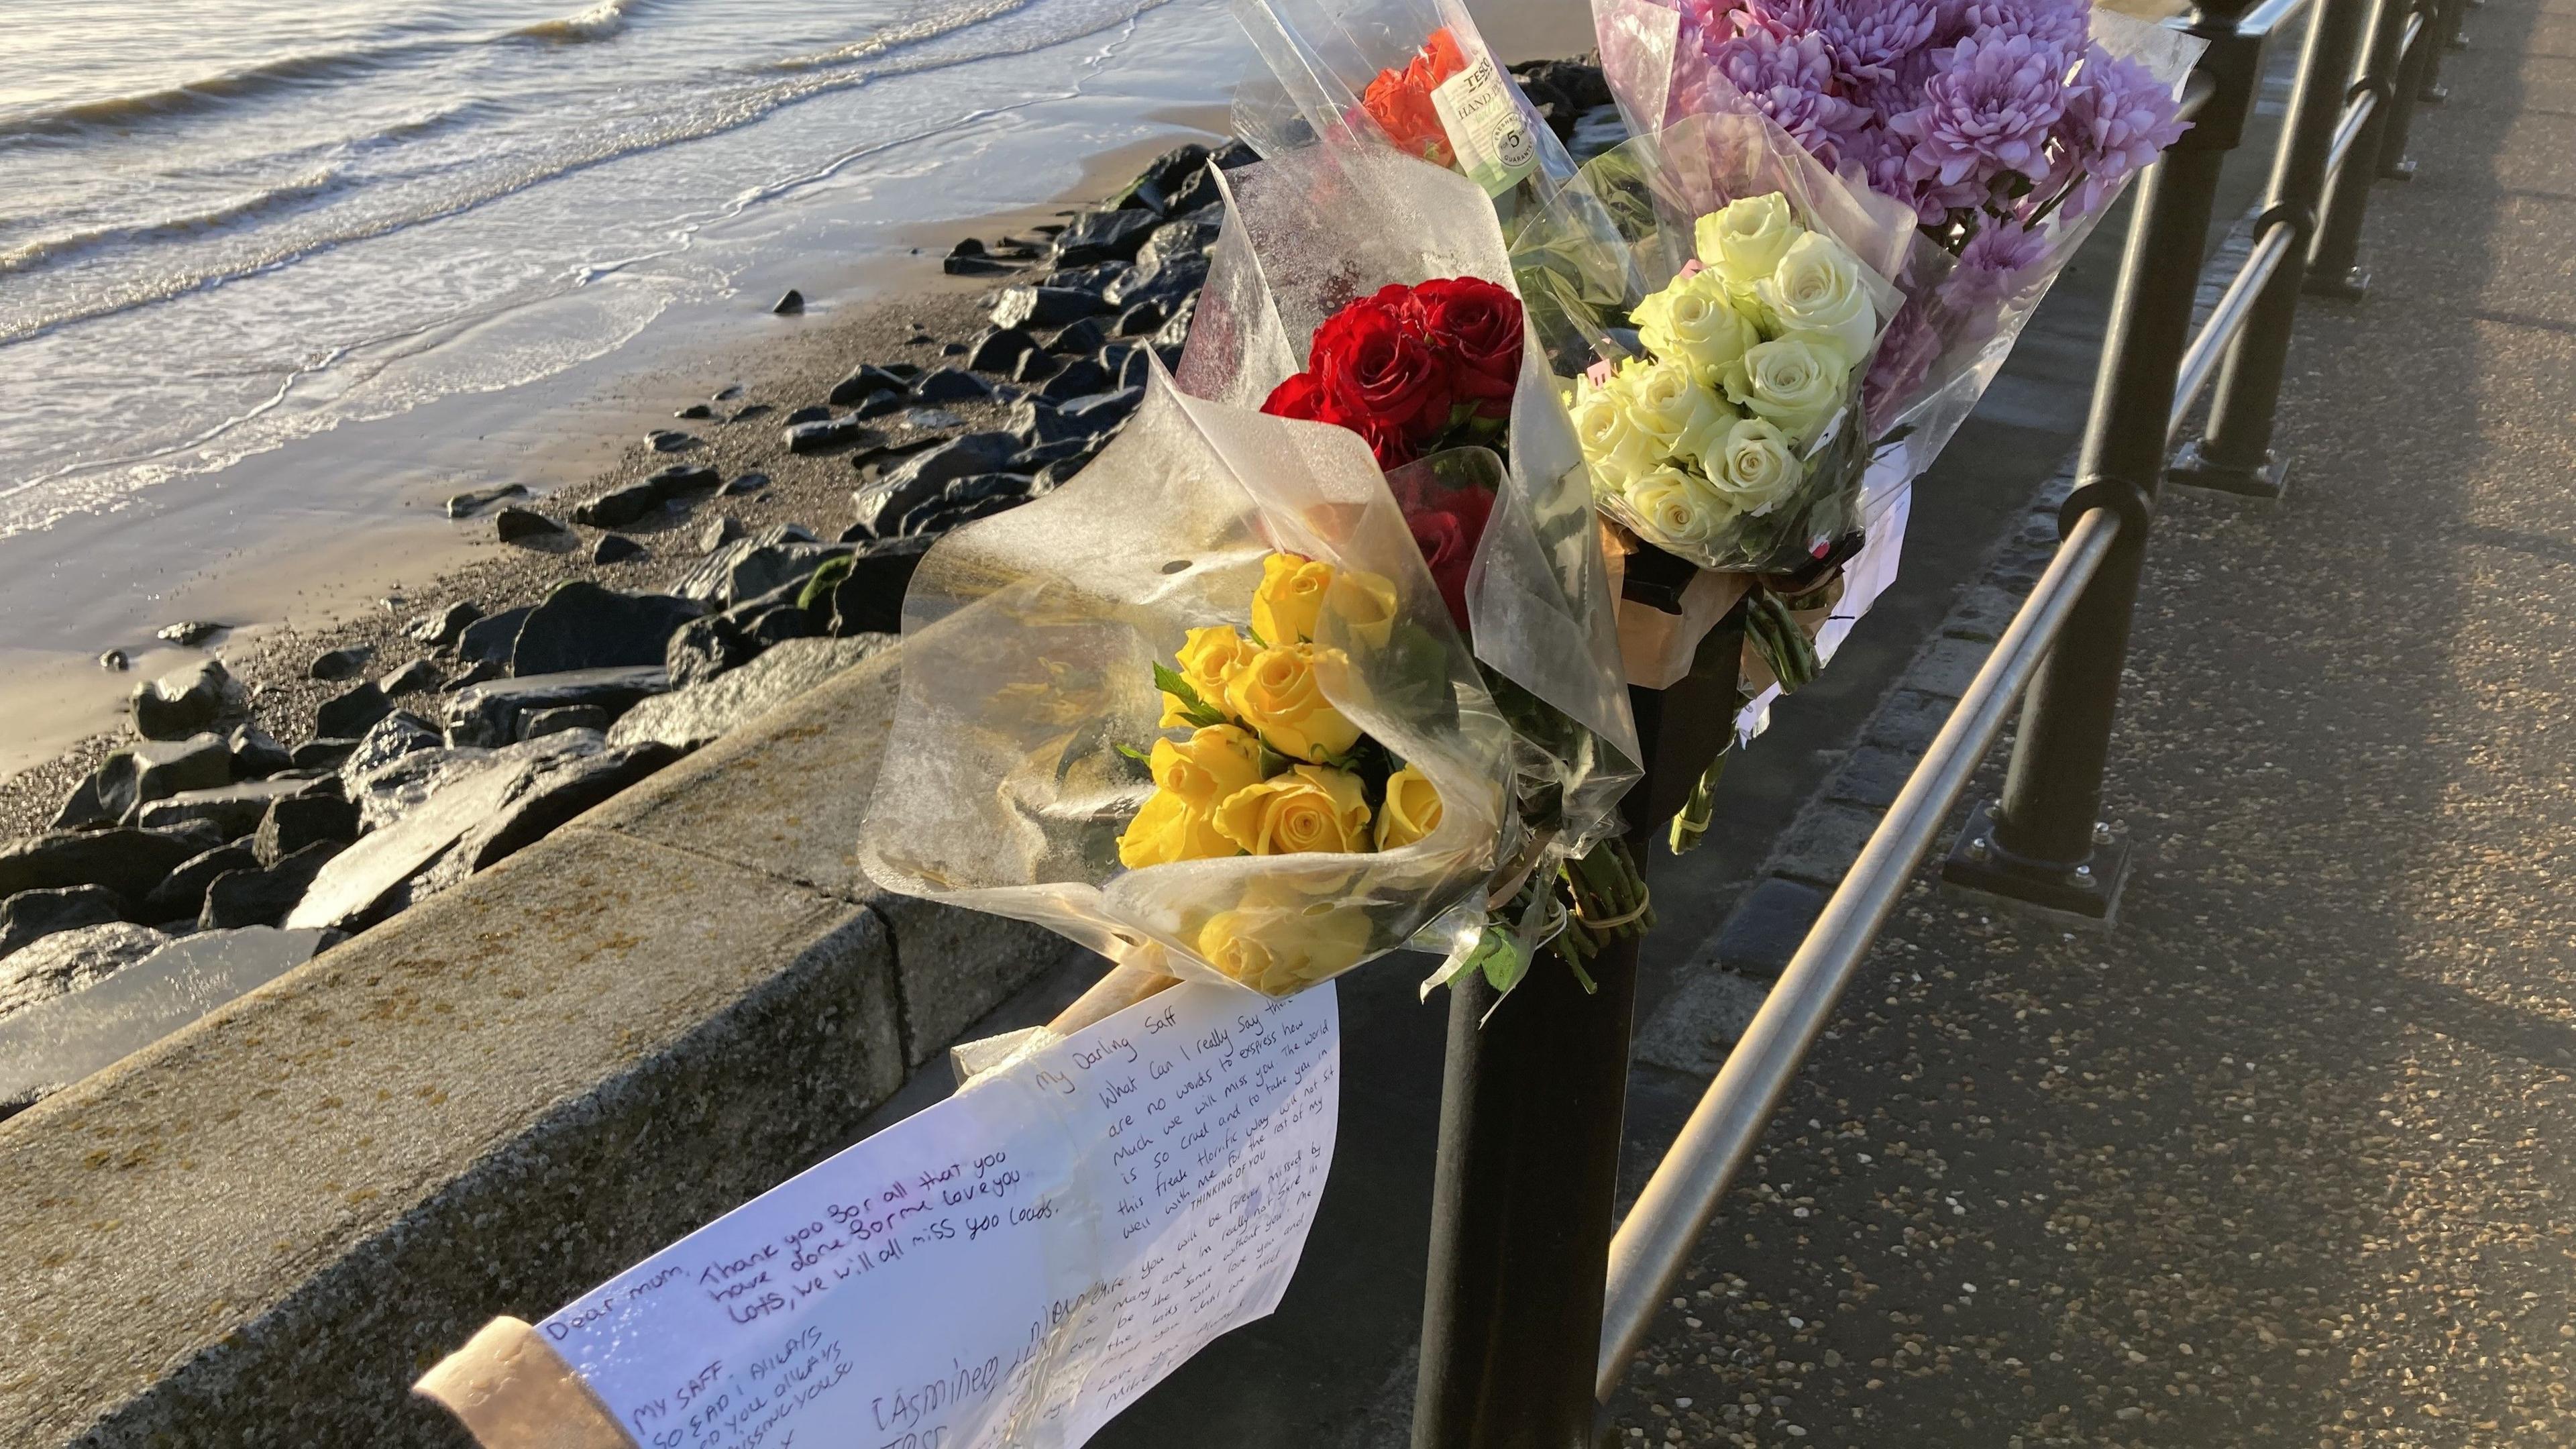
(1311,807)
(1365,603)
(1280,950)
(1207,661)
(1411,811)
(1276,693)
(1208,766)
(1168,829)
(1292,589)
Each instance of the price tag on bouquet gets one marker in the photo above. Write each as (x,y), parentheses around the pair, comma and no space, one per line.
(1488,134)
(1010,1267)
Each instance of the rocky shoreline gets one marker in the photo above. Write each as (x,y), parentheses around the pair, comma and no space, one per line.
(264,802)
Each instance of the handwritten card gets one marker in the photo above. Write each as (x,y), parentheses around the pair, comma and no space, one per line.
(1009,1268)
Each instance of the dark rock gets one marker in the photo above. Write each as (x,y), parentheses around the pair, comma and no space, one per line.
(1135,369)
(1035,366)
(677,480)
(83,808)
(1166,282)
(1176,331)
(922,477)
(749,567)
(1038,423)
(723,530)
(263,897)
(950,385)
(62,963)
(1142,320)
(778,624)
(810,413)
(1030,460)
(1196,193)
(966,500)
(190,634)
(348,715)
(475,500)
(440,629)
(488,715)
(973,266)
(182,702)
(1056,473)
(493,636)
(695,411)
(29,915)
(688,718)
(952,349)
(728,392)
(320,754)
(748,411)
(1081,377)
(619,507)
(868,381)
(967,247)
(114,661)
(823,436)
(525,525)
(1095,280)
(300,820)
(395,736)
(789,305)
(1101,412)
(555,792)
(706,647)
(541,723)
(418,675)
(1166,174)
(1100,236)
(615,548)
(256,755)
(747,483)
(127,862)
(182,893)
(880,404)
(474,673)
(223,813)
(584,626)
(228,813)
(1043,306)
(1081,339)
(340,663)
(998,349)
(141,773)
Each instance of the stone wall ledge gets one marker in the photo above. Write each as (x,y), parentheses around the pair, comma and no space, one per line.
(260,1230)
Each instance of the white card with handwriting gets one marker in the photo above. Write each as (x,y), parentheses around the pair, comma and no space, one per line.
(1008,1268)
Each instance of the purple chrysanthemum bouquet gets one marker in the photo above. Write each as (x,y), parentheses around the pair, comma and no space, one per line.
(2002,128)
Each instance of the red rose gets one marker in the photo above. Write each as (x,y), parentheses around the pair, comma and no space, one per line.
(1479,325)
(1447,527)
(1304,398)
(1400,101)
(1374,367)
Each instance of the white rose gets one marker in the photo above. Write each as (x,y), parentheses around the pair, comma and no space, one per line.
(1678,507)
(1794,383)
(1667,404)
(1816,293)
(1756,467)
(1744,242)
(1695,321)
(1613,445)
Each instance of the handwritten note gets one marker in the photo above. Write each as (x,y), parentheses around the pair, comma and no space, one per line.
(1009,1268)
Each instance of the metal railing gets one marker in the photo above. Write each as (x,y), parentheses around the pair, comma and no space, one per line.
(1525,1273)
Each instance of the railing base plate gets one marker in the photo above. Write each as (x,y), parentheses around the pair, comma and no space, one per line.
(2401,169)
(2087,896)
(2350,285)
(2265,483)
(2433,95)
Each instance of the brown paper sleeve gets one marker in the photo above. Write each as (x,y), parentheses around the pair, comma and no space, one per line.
(515,1392)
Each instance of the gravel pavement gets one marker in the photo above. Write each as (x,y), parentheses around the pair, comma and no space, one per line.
(2285,1159)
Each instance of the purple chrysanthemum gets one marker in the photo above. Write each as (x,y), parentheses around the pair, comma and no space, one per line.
(2062,23)
(1876,157)
(1990,110)
(1992,266)
(1792,81)
(1896,371)
(2118,116)
(1871,39)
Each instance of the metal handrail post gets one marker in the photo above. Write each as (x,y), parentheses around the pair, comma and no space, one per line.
(2043,844)
(2234,453)
(2429,90)
(2413,59)
(2334,268)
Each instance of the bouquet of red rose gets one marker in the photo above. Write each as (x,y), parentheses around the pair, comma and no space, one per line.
(1388,284)
(1400,100)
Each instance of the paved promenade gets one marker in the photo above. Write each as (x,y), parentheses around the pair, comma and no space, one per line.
(2286,1159)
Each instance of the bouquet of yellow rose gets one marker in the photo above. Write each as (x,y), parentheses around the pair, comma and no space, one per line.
(1201,709)
(1356,285)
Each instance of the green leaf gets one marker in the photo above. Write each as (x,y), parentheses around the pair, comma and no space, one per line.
(1133,753)
(1194,709)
